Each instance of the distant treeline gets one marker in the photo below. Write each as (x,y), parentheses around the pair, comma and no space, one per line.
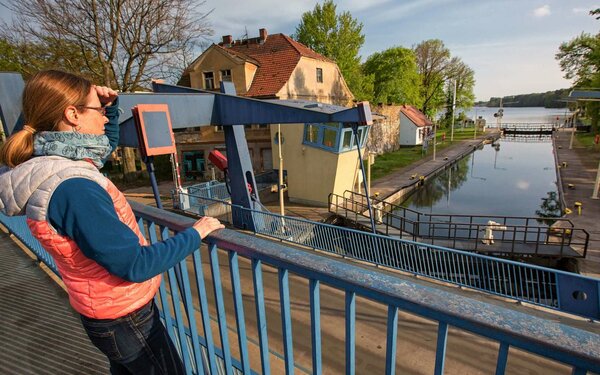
(550,99)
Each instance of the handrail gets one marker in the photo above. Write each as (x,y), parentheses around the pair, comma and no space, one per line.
(492,275)
(431,227)
(575,347)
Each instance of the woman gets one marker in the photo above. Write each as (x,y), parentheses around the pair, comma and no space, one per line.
(85,222)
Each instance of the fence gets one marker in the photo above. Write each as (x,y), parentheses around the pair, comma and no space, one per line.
(519,235)
(520,281)
(200,322)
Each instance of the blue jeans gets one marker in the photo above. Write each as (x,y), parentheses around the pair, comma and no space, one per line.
(137,343)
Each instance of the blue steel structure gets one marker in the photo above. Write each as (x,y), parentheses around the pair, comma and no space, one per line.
(520,281)
(183,303)
(191,108)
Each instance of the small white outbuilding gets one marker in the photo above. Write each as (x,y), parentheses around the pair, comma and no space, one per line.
(414,126)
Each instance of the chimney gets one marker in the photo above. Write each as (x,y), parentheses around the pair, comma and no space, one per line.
(262,35)
(227,40)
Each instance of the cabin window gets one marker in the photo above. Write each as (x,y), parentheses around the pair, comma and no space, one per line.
(347,139)
(311,133)
(209,80)
(329,137)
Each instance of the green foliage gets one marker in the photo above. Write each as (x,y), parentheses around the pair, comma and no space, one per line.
(433,59)
(27,58)
(338,37)
(549,99)
(579,58)
(396,79)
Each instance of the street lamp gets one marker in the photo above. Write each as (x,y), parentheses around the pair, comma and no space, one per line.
(453,107)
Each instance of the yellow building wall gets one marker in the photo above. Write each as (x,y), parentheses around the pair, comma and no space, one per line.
(303,84)
(242,73)
(313,173)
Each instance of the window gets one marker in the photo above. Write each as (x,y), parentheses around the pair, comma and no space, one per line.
(218,128)
(209,80)
(226,75)
(312,133)
(329,137)
(319,75)
(347,139)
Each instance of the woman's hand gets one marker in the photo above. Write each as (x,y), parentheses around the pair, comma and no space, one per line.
(206,225)
(106,95)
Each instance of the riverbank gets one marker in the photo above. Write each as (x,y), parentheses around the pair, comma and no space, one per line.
(577,179)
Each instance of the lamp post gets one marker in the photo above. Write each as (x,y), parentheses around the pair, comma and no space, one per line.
(453,106)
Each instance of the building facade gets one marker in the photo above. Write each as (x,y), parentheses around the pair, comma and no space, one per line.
(277,67)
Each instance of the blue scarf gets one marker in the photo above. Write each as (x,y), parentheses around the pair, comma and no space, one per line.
(73,145)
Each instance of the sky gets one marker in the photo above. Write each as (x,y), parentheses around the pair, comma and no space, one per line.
(510,44)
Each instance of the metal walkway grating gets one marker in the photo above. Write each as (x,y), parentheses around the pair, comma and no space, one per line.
(40,332)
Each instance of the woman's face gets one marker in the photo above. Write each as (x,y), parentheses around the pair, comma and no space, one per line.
(91,116)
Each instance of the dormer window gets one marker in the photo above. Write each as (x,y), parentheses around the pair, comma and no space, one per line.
(209,80)
(226,75)
(319,75)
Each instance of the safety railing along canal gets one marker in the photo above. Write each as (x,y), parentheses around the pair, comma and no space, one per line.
(517,235)
(201,325)
(547,287)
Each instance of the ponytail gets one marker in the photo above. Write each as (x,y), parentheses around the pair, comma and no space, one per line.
(18,148)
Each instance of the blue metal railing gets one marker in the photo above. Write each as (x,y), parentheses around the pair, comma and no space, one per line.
(520,281)
(207,348)
(520,235)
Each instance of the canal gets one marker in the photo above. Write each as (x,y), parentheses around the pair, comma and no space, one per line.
(512,177)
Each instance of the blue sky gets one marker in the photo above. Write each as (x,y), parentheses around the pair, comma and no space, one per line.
(510,44)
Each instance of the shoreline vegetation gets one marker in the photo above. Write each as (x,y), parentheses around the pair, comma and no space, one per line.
(548,99)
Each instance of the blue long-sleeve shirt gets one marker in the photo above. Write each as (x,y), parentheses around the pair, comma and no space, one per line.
(82,210)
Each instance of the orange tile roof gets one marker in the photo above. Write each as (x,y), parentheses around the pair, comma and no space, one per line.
(416,116)
(277,58)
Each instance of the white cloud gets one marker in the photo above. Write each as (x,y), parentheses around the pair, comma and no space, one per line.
(542,11)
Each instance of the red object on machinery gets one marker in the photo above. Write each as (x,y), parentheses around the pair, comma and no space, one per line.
(218,159)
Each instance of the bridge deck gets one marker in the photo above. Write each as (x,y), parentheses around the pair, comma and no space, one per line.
(41,334)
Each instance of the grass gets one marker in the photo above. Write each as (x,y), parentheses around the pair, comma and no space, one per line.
(587,140)
(392,161)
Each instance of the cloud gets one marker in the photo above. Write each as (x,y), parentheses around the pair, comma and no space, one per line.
(542,11)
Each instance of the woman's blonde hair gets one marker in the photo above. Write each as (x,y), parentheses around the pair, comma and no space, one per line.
(46,96)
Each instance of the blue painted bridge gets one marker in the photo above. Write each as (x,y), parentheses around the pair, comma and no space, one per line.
(242,304)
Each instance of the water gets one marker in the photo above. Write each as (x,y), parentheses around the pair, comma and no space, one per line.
(524,114)
(506,179)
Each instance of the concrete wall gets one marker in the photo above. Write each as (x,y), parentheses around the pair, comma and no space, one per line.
(384,133)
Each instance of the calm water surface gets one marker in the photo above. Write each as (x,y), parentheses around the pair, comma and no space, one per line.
(510,178)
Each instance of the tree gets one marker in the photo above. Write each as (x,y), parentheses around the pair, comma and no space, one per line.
(579,58)
(338,37)
(395,76)
(433,59)
(460,73)
(122,43)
